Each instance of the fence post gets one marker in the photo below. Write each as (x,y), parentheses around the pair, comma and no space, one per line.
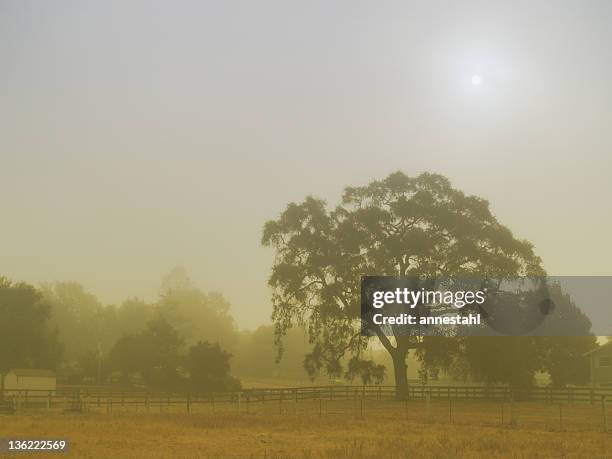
(212,402)
(512,413)
(239,401)
(280,403)
(49,401)
(428,405)
(450,410)
(321,407)
(361,408)
(188,403)
(605,415)
(502,413)
(560,416)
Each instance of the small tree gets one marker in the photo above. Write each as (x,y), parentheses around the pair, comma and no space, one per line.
(399,226)
(209,368)
(564,358)
(154,353)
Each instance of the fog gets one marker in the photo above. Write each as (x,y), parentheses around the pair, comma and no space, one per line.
(140,136)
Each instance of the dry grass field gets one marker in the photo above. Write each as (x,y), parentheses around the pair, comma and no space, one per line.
(334,429)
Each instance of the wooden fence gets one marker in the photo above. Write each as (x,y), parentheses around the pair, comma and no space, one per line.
(572,408)
(104,397)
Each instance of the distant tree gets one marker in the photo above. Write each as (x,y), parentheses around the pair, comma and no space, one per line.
(511,360)
(176,280)
(256,354)
(75,313)
(88,327)
(161,363)
(133,315)
(155,354)
(399,226)
(558,349)
(209,368)
(565,361)
(26,340)
(91,367)
(564,358)
(128,356)
(195,313)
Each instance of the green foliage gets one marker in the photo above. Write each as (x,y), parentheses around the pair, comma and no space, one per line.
(209,368)
(125,356)
(406,226)
(255,354)
(158,356)
(91,367)
(154,354)
(197,314)
(92,331)
(564,358)
(26,340)
(131,317)
(367,371)
(514,360)
(76,315)
(565,361)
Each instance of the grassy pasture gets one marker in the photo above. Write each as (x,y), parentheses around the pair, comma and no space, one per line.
(325,429)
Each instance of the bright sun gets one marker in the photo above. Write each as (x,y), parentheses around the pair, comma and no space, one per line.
(476,80)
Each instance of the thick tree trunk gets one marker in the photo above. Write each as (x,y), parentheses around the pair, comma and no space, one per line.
(401,374)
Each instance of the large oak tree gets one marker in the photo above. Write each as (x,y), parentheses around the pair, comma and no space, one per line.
(400,226)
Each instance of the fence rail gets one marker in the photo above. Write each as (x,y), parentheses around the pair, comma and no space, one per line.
(102,396)
(572,408)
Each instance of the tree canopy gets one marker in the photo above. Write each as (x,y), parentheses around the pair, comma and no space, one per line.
(26,340)
(399,226)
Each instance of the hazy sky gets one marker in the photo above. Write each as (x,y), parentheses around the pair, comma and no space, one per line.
(138,136)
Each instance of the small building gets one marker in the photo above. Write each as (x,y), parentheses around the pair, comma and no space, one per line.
(19,380)
(601,365)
